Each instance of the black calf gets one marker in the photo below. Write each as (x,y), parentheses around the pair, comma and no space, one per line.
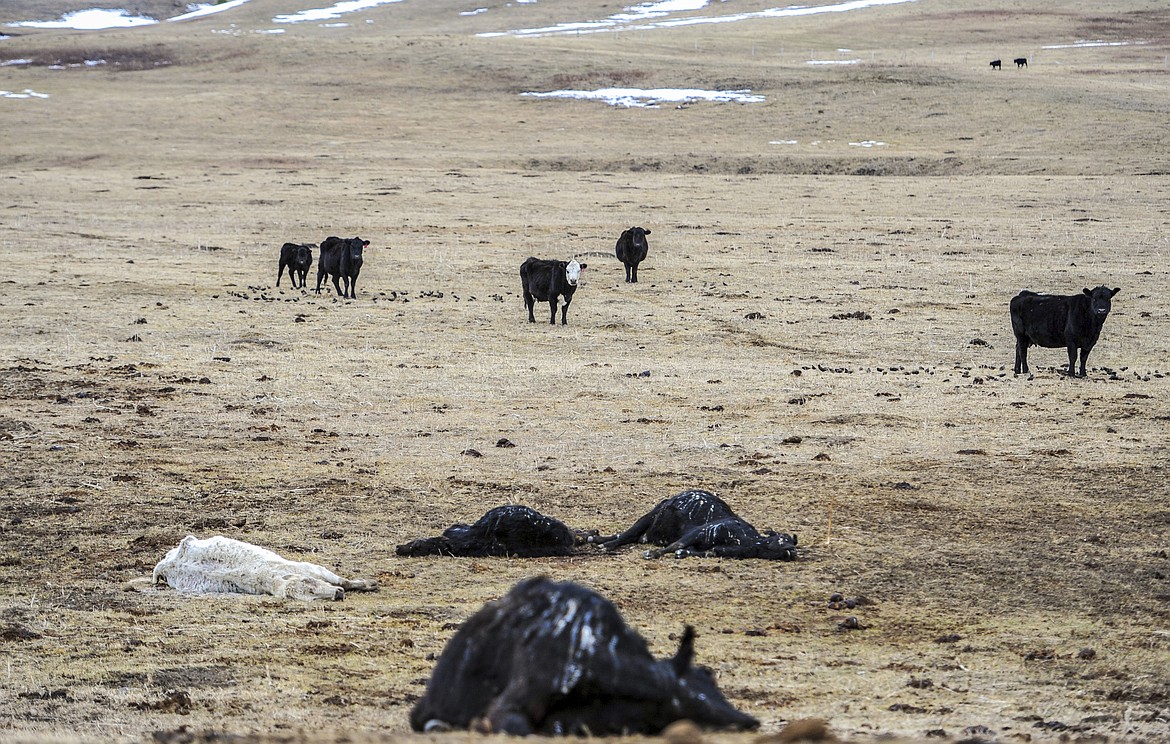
(298,257)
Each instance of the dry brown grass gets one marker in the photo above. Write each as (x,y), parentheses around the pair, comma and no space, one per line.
(154,383)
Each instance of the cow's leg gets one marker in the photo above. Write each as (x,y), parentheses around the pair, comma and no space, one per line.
(281,273)
(564,311)
(337,285)
(634,274)
(628,279)
(631,535)
(320,278)
(530,302)
(682,546)
(1084,360)
(552,306)
(302,284)
(1072,361)
(1021,356)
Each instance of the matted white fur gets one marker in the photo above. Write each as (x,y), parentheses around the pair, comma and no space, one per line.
(223,565)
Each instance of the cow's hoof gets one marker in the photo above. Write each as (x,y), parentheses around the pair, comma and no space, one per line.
(651,554)
(436,726)
(680,554)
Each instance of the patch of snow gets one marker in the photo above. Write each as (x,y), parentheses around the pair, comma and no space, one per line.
(833,62)
(333,11)
(86,63)
(782,142)
(26,93)
(90,20)
(642,98)
(477,11)
(1098,43)
(12,62)
(867,143)
(643,17)
(198,11)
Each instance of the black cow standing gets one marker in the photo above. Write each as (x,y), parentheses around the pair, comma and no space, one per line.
(996,64)
(341,258)
(298,257)
(1020,62)
(1054,321)
(558,659)
(505,530)
(548,280)
(698,522)
(631,250)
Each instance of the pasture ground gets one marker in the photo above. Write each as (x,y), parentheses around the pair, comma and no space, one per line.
(1007,537)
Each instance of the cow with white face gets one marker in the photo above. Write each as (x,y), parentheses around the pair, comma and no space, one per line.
(222,565)
(548,280)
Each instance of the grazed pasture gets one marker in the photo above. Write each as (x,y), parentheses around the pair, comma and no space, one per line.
(824,327)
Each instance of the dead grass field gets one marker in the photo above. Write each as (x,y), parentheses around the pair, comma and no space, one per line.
(1010,534)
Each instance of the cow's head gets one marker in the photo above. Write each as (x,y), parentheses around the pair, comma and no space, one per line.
(307,588)
(777,546)
(698,698)
(355,247)
(304,257)
(1100,300)
(638,235)
(573,272)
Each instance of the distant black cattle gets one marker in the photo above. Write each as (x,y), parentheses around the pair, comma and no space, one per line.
(1054,321)
(505,530)
(1020,62)
(558,659)
(631,250)
(298,257)
(698,522)
(548,280)
(996,64)
(341,258)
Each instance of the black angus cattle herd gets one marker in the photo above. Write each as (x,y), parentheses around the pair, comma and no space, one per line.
(997,64)
(1054,321)
(557,658)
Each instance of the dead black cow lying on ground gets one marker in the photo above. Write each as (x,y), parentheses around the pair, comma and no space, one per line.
(698,522)
(505,530)
(558,659)
(1054,321)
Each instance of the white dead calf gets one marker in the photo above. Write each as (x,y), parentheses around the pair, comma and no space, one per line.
(223,565)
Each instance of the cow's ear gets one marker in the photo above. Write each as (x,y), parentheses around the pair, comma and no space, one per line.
(584,266)
(686,652)
(1087,291)
(1115,291)
(647,232)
